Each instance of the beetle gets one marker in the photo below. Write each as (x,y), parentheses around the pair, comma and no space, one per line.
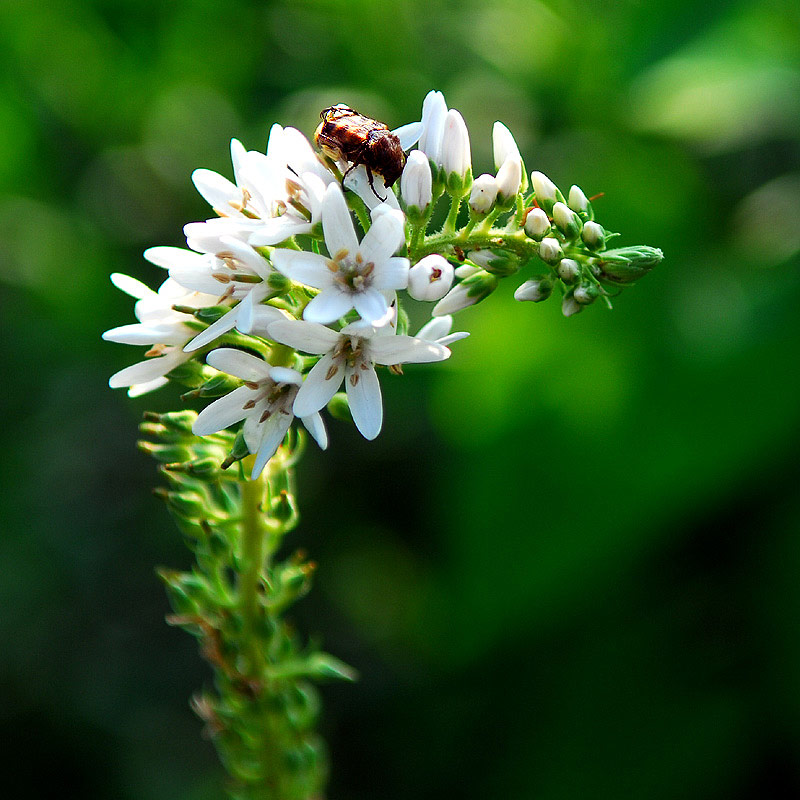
(345,134)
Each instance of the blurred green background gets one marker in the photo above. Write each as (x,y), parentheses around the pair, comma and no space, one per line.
(569,567)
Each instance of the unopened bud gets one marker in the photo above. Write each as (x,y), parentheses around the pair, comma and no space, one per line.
(578,201)
(209,314)
(465,270)
(469,292)
(456,154)
(628,264)
(545,190)
(187,504)
(569,270)
(430,278)
(567,220)
(570,306)
(593,235)
(498,262)
(278,282)
(534,290)
(509,178)
(550,251)
(283,507)
(537,224)
(586,294)
(483,194)
(503,144)
(415,185)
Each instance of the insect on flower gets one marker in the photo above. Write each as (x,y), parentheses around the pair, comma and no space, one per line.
(345,134)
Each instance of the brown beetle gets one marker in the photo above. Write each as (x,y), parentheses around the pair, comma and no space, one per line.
(345,134)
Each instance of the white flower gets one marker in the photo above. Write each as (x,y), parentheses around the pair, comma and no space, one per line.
(276,195)
(350,356)
(483,193)
(503,144)
(233,270)
(437,330)
(430,278)
(456,154)
(161,327)
(415,182)
(264,403)
(355,275)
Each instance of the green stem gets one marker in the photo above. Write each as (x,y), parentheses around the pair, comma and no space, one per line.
(254,533)
(452,216)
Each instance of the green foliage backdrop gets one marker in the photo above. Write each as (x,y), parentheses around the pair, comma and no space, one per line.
(587,586)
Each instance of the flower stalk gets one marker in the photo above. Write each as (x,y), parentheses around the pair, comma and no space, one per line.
(290,303)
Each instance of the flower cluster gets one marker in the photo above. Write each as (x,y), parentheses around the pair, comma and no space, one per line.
(280,299)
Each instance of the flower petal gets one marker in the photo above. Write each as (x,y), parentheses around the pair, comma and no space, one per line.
(273,433)
(318,388)
(238,363)
(329,305)
(310,337)
(405,349)
(337,225)
(372,307)
(255,318)
(217,191)
(278,229)
(138,389)
(144,335)
(364,396)
(144,371)
(310,269)
(223,412)
(391,274)
(316,427)
(383,239)
(131,286)
(213,331)
(409,134)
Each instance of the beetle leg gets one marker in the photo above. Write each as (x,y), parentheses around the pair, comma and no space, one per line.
(371,186)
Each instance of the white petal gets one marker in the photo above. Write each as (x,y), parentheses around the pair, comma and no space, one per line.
(408,134)
(138,389)
(435,328)
(278,229)
(330,304)
(223,412)
(365,400)
(446,341)
(205,236)
(317,389)
(285,375)
(306,336)
(238,156)
(434,110)
(383,239)
(405,349)
(144,371)
(213,331)
(391,274)
(340,235)
(175,257)
(256,319)
(244,254)
(144,335)
(316,427)
(217,191)
(503,144)
(236,362)
(372,307)
(274,432)
(131,286)
(358,182)
(310,269)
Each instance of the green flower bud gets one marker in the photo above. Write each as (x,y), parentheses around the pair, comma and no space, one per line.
(586,293)
(535,290)
(210,314)
(567,220)
(569,270)
(278,282)
(570,306)
(593,235)
(627,264)
(550,251)
(467,293)
(339,407)
(545,191)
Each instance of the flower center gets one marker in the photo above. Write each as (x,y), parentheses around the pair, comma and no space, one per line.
(351,272)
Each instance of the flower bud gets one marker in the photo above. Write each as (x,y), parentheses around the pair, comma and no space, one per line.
(469,292)
(545,190)
(430,278)
(483,194)
(628,264)
(593,235)
(498,262)
(415,185)
(586,294)
(434,111)
(534,290)
(569,270)
(339,407)
(567,220)
(509,178)
(537,224)
(503,144)
(578,201)
(570,306)
(465,270)
(550,251)
(456,155)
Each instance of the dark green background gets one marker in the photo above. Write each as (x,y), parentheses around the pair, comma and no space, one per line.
(568,568)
